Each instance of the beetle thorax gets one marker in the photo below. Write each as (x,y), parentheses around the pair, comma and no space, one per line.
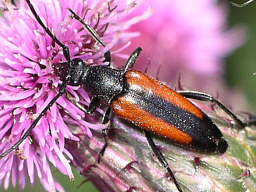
(103,82)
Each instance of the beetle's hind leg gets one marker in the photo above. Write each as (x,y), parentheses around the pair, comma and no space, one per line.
(103,149)
(162,160)
(105,131)
(205,97)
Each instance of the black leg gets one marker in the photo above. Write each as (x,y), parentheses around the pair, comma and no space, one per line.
(92,105)
(161,158)
(56,40)
(130,62)
(205,97)
(105,136)
(107,57)
(33,125)
(105,118)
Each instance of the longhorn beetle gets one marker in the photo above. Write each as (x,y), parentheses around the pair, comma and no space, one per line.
(140,99)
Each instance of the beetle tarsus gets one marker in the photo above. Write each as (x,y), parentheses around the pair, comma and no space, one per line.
(105,136)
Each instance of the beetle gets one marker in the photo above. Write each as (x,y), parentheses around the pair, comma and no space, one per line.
(138,98)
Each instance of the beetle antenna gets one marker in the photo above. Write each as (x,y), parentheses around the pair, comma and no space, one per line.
(243,4)
(62,87)
(90,30)
(94,35)
(47,30)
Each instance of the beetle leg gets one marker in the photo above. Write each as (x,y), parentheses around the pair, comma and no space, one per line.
(105,136)
(92,105)
(205,97)
(105,120)
(131,60)
(107,57)
(161,158)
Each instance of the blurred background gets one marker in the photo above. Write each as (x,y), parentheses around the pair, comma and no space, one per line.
(241,65)
(239,69)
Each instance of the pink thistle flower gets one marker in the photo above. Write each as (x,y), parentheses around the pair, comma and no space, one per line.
(28,81)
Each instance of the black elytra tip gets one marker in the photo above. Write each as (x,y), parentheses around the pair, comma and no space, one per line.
(222,146)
